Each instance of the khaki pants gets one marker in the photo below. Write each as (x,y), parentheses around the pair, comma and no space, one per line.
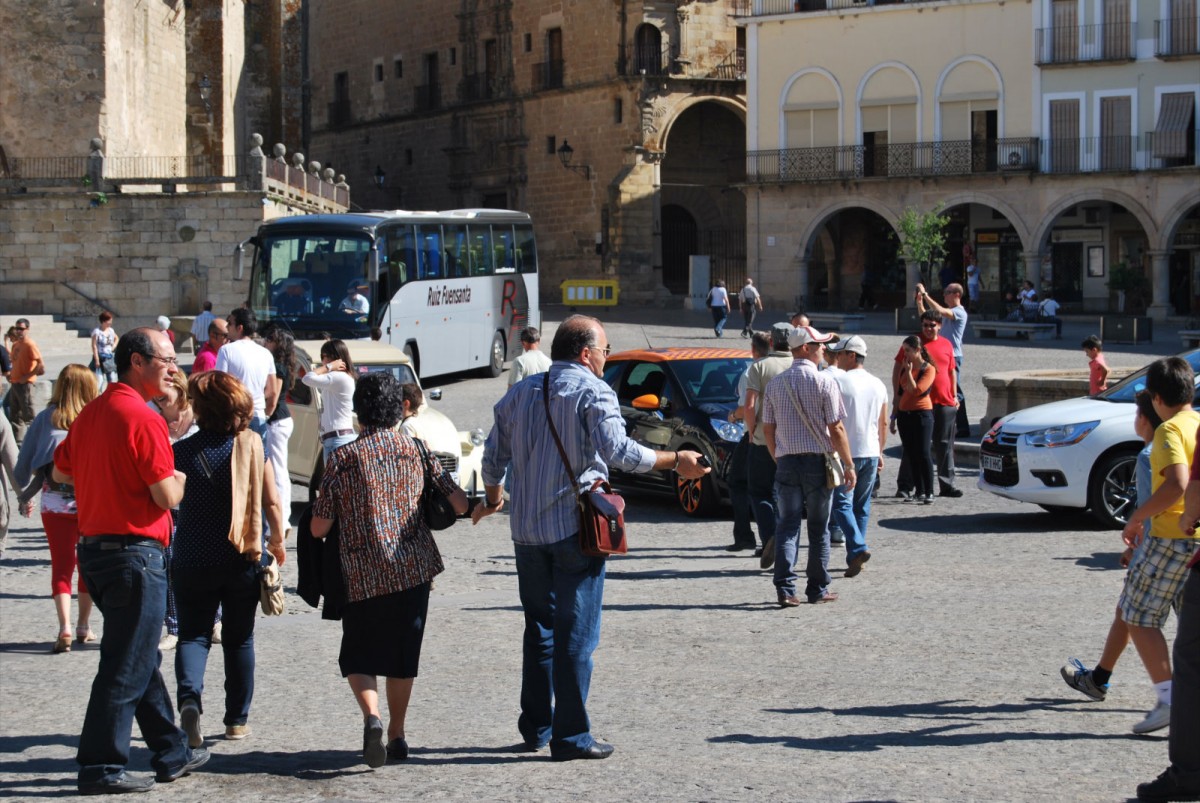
(20,404)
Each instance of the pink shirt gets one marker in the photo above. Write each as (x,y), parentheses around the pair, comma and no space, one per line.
(1095,383)
(206,359)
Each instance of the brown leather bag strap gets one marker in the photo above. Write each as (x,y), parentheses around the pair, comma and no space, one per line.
(554,431)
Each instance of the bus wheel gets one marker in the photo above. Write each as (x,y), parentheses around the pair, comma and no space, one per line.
(495,364)
(410,351)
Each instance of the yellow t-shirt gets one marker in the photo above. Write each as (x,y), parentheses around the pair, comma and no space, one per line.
(1174,443)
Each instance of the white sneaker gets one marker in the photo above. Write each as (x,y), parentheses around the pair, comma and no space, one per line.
(1158,718)
(168,642)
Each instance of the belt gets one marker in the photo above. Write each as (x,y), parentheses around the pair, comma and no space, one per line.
(333,433)
(118,541)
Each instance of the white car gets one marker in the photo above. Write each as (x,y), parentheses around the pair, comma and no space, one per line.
(1072,454)
(460,452)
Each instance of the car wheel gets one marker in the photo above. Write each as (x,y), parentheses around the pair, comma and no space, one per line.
(495,364)
(1111,495)
(698,498)
(315,482)
(1059,510)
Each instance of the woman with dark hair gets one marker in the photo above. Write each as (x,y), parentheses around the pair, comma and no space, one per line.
(279,342)
(218,548)
(914,416)
(75,387)
(373,488)
(334,378)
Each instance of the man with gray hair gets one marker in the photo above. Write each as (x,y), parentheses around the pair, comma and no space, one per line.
(751,303)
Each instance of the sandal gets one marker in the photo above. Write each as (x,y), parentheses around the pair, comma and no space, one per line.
(63,644)
(84,635)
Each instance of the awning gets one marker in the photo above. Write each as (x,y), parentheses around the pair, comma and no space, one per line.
(1174,126)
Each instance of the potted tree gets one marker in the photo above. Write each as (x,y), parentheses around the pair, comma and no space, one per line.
(1125,281)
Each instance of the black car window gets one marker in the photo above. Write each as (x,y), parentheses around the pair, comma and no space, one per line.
(1127,388)
(644,378)
(709,380)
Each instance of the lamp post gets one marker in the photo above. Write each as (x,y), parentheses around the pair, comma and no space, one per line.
(380,177)
(565,154)
(205,92)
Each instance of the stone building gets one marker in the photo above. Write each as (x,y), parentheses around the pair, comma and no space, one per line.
(1063,152)
(619,126)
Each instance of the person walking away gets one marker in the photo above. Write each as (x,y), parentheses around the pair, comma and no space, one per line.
(74,389)
(373,488)
(954,326)
(866,401)
(751,303)
(334,378)
(718,304)
(217,550)
(739,488)
(119,451)
(760,466)
(914,416)
(27,366)
(104,340)
(279,342)
(532,360)
(802,422)
(561,588)
(1098,371)
(250,364)
(206,357)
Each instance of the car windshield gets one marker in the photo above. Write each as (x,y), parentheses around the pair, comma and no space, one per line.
(710,380)
(402,372)
(1127,388)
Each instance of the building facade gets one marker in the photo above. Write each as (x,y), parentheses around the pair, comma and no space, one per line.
(1062,150)
(618,126)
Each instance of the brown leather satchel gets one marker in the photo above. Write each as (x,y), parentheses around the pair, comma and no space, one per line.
(601,510)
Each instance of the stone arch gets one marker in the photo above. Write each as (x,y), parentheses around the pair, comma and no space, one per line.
(1171,221)
(865,82)
(675,112)
(808,235)
(1131,205)
(941,84)
(983,199)
(795,79)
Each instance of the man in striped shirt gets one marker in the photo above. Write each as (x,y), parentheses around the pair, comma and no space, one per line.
(802,421)
(562,589)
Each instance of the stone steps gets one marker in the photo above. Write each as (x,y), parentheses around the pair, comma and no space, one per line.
(53,337)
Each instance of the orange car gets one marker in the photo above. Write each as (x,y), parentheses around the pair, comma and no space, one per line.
(680,398)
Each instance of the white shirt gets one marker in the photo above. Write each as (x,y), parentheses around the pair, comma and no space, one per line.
(718,297)
(864,395)
(200,326)
(359,304)
(530,363)
(253,365)
(749,294)
(337,398)
(1049,308)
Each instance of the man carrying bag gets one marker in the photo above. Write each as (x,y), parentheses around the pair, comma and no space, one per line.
(561,587)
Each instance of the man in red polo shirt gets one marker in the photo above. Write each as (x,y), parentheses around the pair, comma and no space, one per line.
(945,407)
(118,455)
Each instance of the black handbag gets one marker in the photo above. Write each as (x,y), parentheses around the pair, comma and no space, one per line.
(438,512)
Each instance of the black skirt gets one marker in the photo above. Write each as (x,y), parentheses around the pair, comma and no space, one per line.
(381,636)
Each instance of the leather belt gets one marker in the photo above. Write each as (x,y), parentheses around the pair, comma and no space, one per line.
(118,541)
(335,433)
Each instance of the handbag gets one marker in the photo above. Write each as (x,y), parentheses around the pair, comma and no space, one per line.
(601,510)
(270,592)
(835,475)
(435,507)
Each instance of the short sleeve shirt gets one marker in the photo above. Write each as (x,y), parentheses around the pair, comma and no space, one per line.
(943,392)
(1095,382)
(864,396)
(116,449)
(954,327)
(749,294)
(820,398)
(718,297)
(1174,443)
(758,376)
(25,355)
(253,365)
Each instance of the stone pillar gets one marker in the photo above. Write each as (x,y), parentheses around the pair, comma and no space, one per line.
(256,162)
(802,283)
(912,275)
(1160,284)
(1033,269)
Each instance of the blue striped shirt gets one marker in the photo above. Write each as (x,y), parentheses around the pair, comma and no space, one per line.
(588,419)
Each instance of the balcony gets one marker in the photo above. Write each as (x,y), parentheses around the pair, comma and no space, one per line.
(1089,154)
(1075,44)
(1177,37)
(764,8)
(427,98)
(548,75)
(650,60)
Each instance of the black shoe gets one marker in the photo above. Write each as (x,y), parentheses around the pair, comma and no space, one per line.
(737,547)
(1166,787)
(953,493)
(374,753)
(597,750)
(927,499)
(200,757)
(397,749)
(904,494)
(120,785)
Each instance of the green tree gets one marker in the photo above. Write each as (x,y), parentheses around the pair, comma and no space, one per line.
(923,238)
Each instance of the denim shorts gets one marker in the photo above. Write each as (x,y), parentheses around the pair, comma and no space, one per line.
(1154,584)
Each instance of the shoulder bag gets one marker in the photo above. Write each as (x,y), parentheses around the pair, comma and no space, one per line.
(438,512)
(835,475)
(601,510)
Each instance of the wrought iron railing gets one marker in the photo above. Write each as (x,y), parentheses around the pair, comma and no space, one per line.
(548,75)
(1177,36)
(835,162)
(650,59)
(64,167)
(731,68)
(1089,154)
(191,166)
(1168,149)
(1072,44)
(763,8)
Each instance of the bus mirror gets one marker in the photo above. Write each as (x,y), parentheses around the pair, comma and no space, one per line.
(373,266)
(239,252)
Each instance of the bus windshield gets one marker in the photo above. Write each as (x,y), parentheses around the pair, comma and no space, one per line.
(316,283)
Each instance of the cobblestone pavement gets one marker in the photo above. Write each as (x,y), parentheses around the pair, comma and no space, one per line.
(934,677)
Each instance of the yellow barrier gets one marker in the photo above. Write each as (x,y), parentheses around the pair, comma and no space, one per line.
(591,292)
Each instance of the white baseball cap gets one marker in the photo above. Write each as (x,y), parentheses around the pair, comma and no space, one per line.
(803,335)
(853,344)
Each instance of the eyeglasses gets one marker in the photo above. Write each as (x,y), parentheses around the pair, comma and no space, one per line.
(164,360)
(607,349)
(21,328)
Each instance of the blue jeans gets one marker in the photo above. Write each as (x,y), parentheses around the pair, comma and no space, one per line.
(852,509)
(198,593)
(719,314)
(336,442)
(127,579)
(562,592)
(760,476)
(800,483)
(739,493)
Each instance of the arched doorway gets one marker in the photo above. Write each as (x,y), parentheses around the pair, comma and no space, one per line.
(983,234)
(648,56)
(679,241)
(854,263)
(1183,265)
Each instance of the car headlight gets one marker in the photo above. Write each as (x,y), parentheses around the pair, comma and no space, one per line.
(477,437)
(1063,435)
(727,430)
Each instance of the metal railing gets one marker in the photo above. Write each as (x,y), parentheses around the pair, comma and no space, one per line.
(836,162)
(57,167)
(1177,36)
(1089,154)
(192,166)
(427,97)
(731,68)
(1173,149)
(548,75)
(763,8)
(1072,44)
(650,60)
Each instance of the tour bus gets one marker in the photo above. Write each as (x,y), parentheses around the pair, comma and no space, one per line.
(453,289)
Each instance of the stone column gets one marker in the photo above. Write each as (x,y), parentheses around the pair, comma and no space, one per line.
(1160,284)
(912,275)
(1033,269)
(802,282)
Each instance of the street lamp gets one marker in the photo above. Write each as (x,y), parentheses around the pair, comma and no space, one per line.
(205,92)
(380,177)
(565,154)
